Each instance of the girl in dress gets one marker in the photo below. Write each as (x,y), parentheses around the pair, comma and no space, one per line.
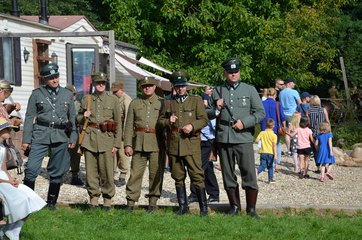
(18,200)
(325,150)
(305,137)
(294,124)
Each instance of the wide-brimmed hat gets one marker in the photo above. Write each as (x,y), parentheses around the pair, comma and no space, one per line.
(5,124)
(4,84)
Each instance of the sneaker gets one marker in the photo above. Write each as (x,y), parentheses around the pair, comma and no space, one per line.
(329,175)
(271,181)
(317,171)
(76,181)
(121,182)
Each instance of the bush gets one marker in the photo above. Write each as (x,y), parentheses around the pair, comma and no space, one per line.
(351,132)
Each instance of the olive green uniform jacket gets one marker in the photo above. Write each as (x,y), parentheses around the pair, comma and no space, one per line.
(143,113)
(190,111)
(40,109)
(103,107)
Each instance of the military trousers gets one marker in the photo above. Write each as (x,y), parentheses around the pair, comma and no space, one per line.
(74,160)
(99,167)
(58,163)
(122,161)
(243,155)
(194,169)
(211,185)
(155,177)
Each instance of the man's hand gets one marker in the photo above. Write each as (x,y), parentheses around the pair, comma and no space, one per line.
(220,104)
(71,145)
(187,128)
(114,150)
(24,146)
(173,118)
(238,125)
(128,151)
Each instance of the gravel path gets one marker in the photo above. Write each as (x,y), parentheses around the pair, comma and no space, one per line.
(345,192)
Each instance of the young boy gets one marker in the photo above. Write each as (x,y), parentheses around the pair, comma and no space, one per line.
(268,150)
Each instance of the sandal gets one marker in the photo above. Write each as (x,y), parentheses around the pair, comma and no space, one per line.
(329,175)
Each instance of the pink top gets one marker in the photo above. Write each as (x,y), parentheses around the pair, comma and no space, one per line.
(303,137)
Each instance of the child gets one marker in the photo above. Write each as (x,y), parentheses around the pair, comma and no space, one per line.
(305,136)
(18,200)
(294,124)
(268,150)
(325,151)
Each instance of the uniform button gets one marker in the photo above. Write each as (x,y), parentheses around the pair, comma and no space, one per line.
(231,107)
(232,94)
(231,100)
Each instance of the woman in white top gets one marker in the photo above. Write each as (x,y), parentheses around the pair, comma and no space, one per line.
(18,200)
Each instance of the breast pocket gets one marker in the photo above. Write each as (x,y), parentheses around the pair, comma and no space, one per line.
(189,115)
(40,106)
(108,113)
(243,102)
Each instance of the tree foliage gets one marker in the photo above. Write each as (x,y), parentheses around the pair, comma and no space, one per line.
(89,8)
(273,38)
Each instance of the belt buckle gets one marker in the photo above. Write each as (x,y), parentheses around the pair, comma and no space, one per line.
(147,130)
(51,124)
(231,123)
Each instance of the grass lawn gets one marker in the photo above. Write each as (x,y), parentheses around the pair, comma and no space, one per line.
(79,223)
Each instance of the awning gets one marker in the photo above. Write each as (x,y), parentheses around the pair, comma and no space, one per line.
(139,73)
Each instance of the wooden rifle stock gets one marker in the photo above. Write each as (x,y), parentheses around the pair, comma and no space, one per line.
(85,125)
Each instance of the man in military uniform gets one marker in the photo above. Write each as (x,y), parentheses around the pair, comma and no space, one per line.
(101,141)
(141,141)
(239,109)
(184,116)
(121,160)
(49,125)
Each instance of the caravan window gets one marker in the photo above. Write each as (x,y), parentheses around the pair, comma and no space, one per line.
(10,60)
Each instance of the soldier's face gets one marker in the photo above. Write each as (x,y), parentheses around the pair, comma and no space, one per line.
(53,83)
(148,90)
(100,86)
(232,77)
(181,90)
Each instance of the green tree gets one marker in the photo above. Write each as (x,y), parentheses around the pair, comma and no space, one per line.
(273,38)
(94,10)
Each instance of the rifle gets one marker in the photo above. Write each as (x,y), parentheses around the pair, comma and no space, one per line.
(85,125)
(225,105)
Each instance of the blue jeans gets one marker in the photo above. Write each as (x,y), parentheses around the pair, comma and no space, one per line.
(266,161)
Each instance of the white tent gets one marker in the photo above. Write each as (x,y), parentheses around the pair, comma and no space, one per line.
(139,73)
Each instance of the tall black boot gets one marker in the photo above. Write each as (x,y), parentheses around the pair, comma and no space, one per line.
(251,197)
(201,196)
(233,200)
(30,184)
(53,194)
(182,200)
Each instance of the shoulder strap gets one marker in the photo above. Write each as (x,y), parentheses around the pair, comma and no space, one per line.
(278,112)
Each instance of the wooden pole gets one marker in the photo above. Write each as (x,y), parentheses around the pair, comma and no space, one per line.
(344,75)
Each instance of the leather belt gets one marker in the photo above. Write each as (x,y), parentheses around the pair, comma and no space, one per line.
(227,123)
(51,124)
(146,130)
